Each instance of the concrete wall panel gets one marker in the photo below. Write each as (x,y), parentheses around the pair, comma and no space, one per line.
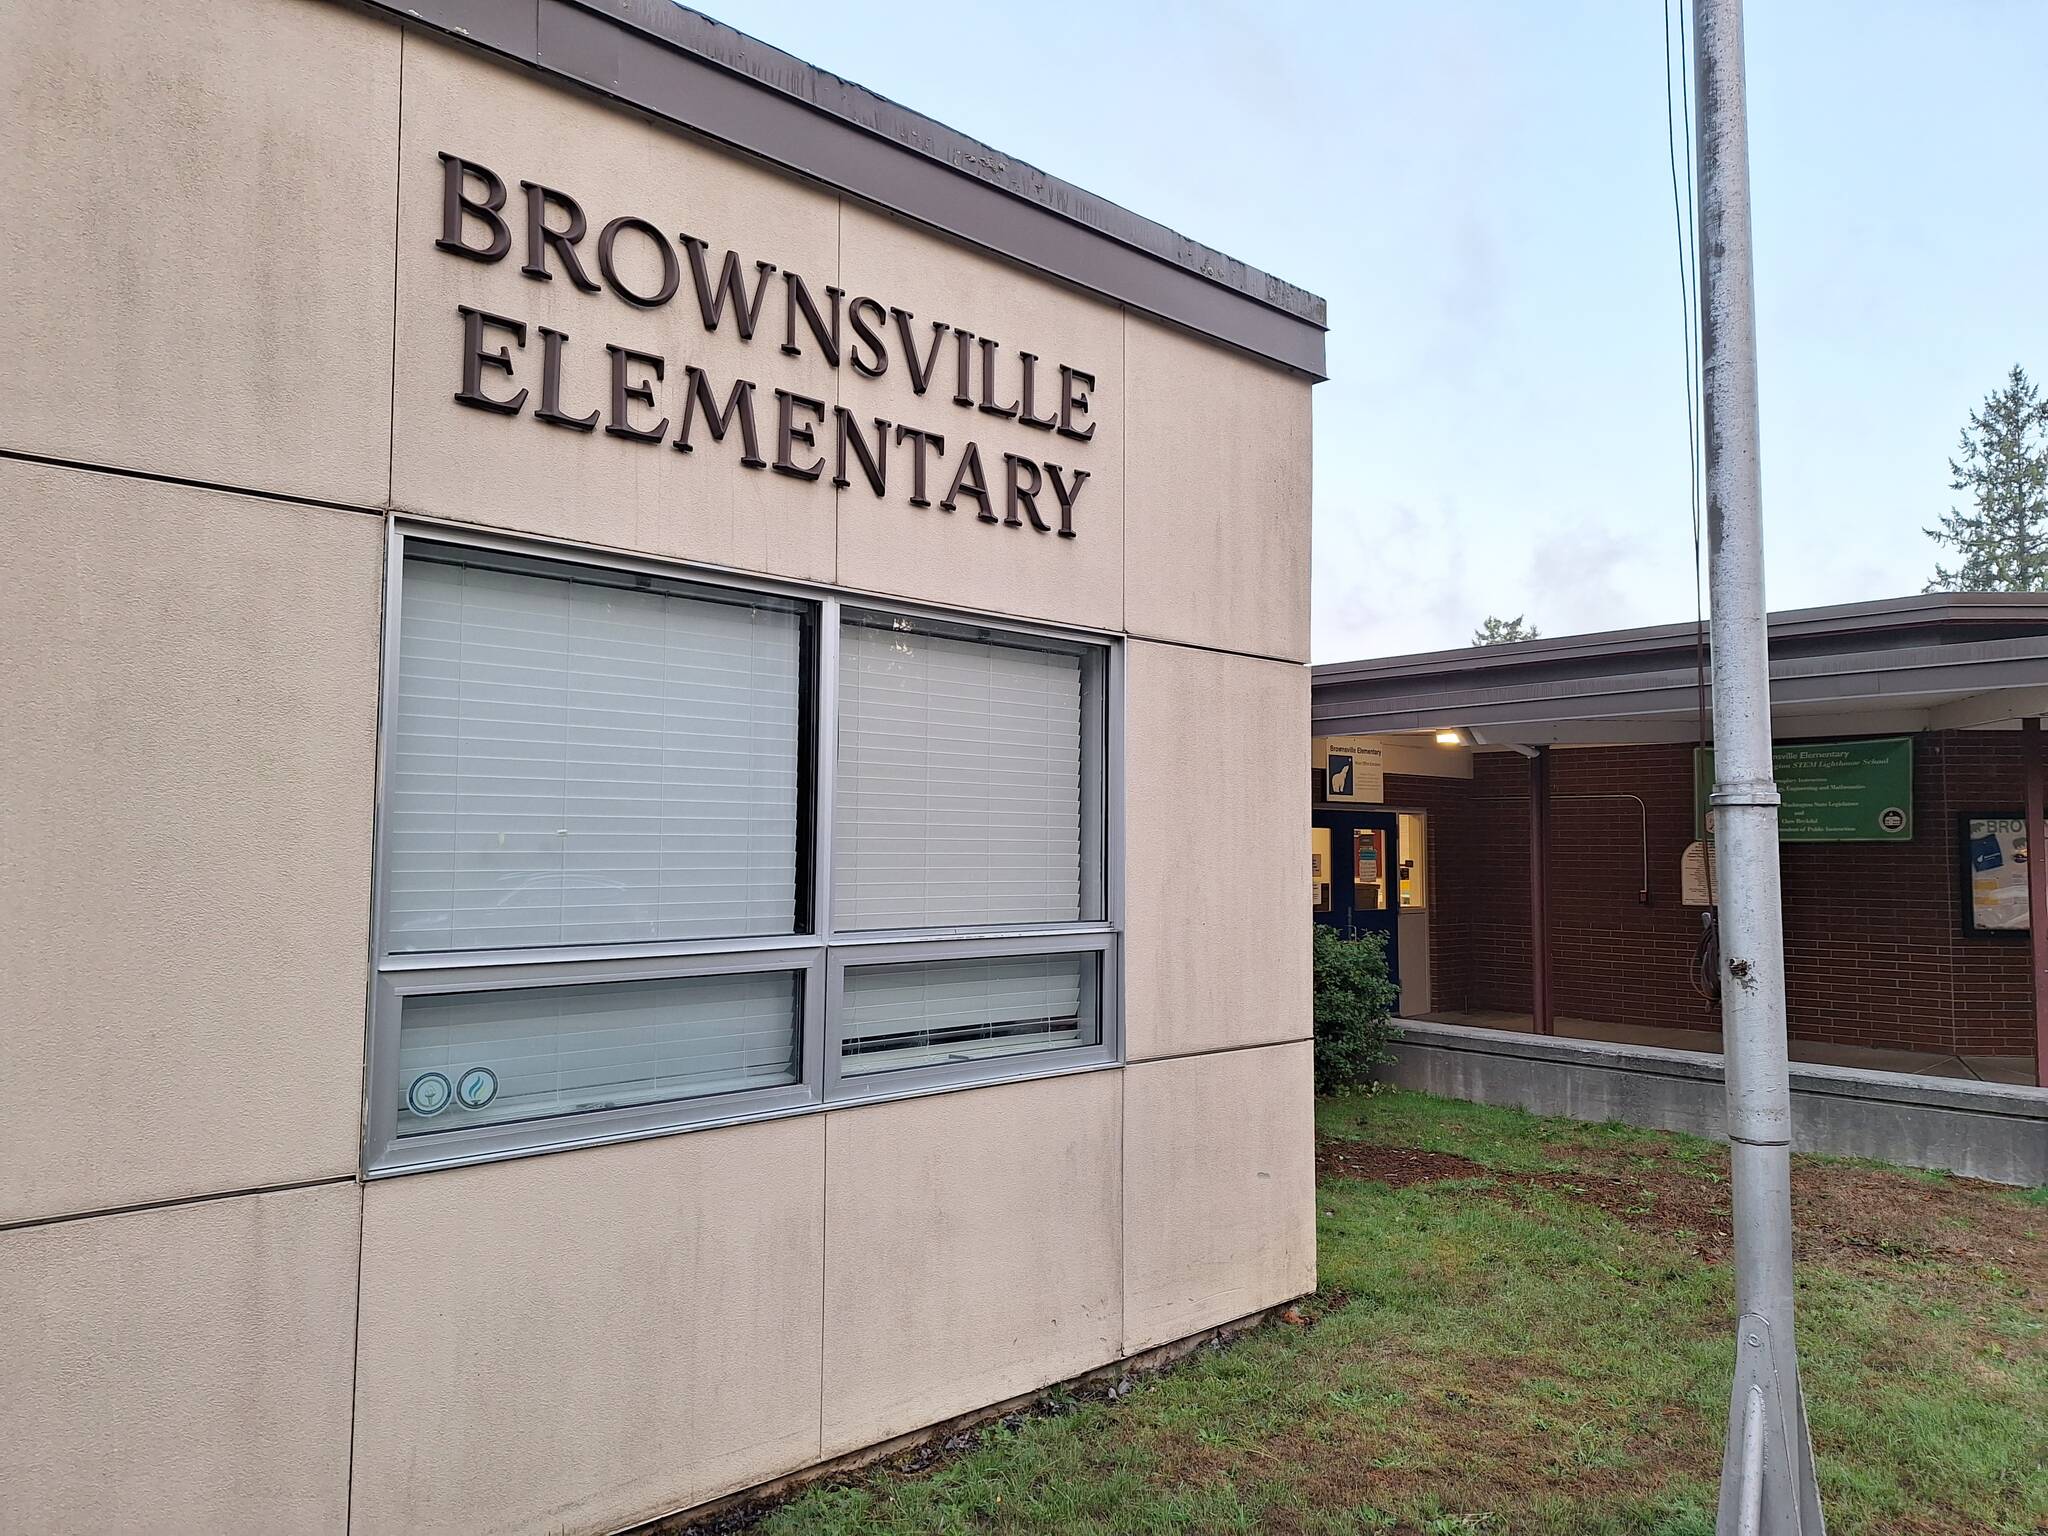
(189,685)
(1219,1189)
(515,472)
(956,557)
(972,1251)
(581,1341)
(198,264)
(1218,552)
(1217,843)
(184,1370)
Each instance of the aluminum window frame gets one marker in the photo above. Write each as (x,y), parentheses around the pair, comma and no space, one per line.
(895,1082)
(441,1148)
(815,951)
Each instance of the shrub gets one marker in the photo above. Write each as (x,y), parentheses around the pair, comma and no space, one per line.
(1353,999)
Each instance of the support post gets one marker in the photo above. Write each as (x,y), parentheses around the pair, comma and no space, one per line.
(1542,1012)
(1772,1493)
(2037,894)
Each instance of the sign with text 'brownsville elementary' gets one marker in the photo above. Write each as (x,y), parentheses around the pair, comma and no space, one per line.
(1833,791)
(649,404)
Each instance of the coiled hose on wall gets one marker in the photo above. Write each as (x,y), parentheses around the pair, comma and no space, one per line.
(1706,958)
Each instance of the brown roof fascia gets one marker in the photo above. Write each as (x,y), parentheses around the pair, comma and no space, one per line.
(681,66)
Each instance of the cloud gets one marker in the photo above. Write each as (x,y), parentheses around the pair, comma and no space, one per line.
(1390,579)
(1587,578)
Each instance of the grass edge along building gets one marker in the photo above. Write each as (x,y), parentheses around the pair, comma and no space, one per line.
(605,643)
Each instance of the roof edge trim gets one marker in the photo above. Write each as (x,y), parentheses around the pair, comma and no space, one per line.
(685,68)
(1932,610)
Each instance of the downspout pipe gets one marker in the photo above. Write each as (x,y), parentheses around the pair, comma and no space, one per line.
(2037,893)
(1542,997)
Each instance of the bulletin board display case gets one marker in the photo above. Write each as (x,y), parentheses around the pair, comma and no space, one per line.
(1993,855)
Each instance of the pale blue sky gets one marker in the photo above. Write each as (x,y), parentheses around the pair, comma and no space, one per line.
(1480,191)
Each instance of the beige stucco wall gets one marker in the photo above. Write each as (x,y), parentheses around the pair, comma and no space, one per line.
(1216,851)
(581,1341)
(183,1370)
(1218,548)
(188,682)
(569,1342)
(200,242)
(972,1250)
(1219,1169)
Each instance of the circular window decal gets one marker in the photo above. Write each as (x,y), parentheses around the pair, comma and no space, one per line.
(478,1087)
(1892,819)
(428,1095)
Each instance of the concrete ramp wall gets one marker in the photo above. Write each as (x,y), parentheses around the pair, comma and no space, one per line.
(1980,1130)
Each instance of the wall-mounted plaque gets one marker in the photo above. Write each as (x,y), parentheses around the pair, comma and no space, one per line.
(1833,791)
(1357,769)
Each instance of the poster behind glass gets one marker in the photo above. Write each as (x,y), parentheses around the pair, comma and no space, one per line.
(1995,854)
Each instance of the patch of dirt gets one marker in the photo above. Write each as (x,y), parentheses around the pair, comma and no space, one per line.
(1657,1197)
(1853,1217)
(1688,1210)
(1958,1220)
(1397,1167)
(1461,1441)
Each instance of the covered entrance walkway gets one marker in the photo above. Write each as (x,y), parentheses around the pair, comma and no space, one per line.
(1552,878)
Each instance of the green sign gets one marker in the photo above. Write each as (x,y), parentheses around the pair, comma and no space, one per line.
(1834,791)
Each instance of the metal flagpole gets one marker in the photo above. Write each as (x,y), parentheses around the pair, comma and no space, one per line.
(1767,1484)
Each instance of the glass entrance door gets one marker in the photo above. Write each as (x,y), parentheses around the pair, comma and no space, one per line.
(1356,861)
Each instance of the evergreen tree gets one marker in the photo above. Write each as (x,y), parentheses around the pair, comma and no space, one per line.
(1498,631)
(2004,466)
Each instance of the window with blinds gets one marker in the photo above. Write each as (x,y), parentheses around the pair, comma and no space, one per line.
(590,760)
(920,1015)
(472,1058)
(602,803)
(968,779)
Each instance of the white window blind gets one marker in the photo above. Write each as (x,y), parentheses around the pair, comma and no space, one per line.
(960,790)
(919,1015)
(585,761)
(557,1050)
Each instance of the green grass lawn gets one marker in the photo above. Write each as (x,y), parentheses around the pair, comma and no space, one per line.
(1524,1326)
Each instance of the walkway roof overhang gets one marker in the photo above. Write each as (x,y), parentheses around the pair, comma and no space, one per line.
(1934,662)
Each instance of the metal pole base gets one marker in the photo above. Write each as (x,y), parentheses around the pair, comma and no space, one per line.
(1767,1486)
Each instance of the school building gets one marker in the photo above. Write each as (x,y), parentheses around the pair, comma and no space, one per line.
(618,873)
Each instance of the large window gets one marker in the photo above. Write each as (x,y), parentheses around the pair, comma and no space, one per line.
(586,759)
(963,800)
(657,851)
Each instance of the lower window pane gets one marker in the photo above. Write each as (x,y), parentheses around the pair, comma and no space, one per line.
(943,1011)
(477,1058)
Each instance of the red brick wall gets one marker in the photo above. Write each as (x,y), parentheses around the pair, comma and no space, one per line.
(1994,1008)
(1457,873)
(1874,947)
